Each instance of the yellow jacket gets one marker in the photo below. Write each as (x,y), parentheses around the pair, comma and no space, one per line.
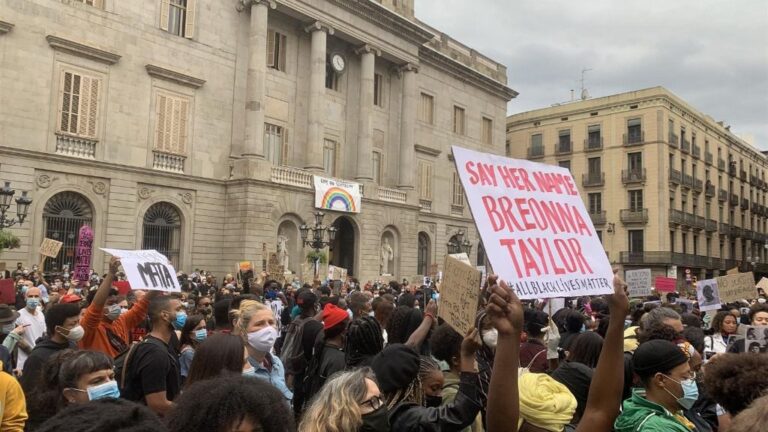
(13,406)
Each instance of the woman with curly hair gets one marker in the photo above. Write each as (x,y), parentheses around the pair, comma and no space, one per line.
(735,380)
(724,325)
(348,402)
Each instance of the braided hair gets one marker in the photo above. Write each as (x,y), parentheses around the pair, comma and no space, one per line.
(364,341)
(405,320)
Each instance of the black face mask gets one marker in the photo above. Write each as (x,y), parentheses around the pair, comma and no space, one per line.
(433,401)
(376,421)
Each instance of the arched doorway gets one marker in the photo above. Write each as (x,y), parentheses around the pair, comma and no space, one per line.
(63,216)
(343,253)
(454,244)
(162,230)
(423,254)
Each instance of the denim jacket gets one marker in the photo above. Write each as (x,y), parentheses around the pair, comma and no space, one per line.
(276,376)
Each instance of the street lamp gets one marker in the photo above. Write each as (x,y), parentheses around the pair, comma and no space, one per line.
(460,244)
(317,238)
(22,206)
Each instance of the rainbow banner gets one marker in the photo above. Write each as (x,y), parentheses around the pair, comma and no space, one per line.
(337,195)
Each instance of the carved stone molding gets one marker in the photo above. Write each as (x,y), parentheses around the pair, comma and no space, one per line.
(82,50)
(144,193)
(426,150)
(5,27)
(319,26)
(367,48)
(174,76)
(186,197)
(245,4)
(44,181)
(99,187)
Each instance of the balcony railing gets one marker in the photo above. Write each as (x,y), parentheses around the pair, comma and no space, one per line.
(674,258)
(633,175)
(724,228)
(743,175)
(732,171)
(685,146)
(593,179)
(722,195)
(687,181)
(563,147)
(593,144)
(689,220)
(735,232)
(709,190)
(676,217)
(699,222)
(673,140)
(634,138)
(675,176)
(710,225)
(744,204)
(598,218)
(168,162)
(634,216)
(68,145)
(747,234)
(291,176)
(392,195)
(698,185)
(425,205)
(734,200)
(721,164)
(535,152)
(753,180)
(708,158)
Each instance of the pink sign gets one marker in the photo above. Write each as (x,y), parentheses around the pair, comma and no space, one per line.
(83,254)
(665,284)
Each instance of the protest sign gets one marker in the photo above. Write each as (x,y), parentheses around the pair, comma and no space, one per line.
(433,270)
(463,257)
(554,305)
(762,284)
(536,231)
(737,287)
(337,273)
(638,282)
(708,294)
(50,248)
(672,271)
(459,295)
(147,269)
(484,275)
(337,195)
(756,339)
(732,271)
(83,254)
(665,284)
(686,306)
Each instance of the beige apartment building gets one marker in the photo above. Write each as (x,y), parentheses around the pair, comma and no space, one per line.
(195,128)
(667,187)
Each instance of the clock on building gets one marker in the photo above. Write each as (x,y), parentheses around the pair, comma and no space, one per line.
(338,62)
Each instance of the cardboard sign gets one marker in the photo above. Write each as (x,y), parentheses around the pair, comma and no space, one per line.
(463,257)
(732,271)
(337,273)
(147,269)
(756,339)
(737,287)
(337,195)
(638,282)
(762,284)
(536,231)
(665,284)
(83,254)
(459,296)
(7,292)
(50,248)
(708,294)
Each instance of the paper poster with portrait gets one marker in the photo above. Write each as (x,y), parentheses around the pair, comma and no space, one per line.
(756,339)
(686,306)
(708,295)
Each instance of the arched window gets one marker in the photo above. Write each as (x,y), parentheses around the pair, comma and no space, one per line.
(454,244)
(423,256)
(162,230)
(480,254)
(63,216)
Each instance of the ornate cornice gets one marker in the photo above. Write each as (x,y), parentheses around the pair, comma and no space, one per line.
(426,150)
(464,73)
(82,50)
(177,77)
(319,26)
(392,21)
(367,48)
(5,27)
(245,4)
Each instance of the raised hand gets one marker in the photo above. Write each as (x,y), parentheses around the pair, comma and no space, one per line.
(618,302)
(505,310)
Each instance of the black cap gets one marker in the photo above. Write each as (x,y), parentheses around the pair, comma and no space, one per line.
(657,356)
(395,367)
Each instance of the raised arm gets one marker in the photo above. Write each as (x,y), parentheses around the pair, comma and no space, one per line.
(608,381)
(100,299)
(421,332)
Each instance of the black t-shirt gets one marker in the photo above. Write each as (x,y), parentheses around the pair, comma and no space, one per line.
(153,367)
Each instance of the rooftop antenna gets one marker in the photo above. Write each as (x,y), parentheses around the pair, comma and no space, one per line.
(584,92)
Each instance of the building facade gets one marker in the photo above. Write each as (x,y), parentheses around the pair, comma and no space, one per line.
(195,128)
(667,187)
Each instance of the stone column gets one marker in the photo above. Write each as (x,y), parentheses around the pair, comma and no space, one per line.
(407,124)
(364,133)
(256,81)
(314,144)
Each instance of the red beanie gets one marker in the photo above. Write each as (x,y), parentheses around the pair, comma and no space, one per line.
(333,315)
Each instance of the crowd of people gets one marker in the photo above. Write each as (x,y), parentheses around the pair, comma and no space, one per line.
(243,354)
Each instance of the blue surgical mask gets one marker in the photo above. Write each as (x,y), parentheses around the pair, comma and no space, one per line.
(33,303)
(107,390)
(583,328)
(690,392)
(181,319)
(250,372)
(113,312)
(201,334)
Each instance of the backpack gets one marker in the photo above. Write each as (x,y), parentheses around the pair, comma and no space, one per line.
(122,362)
(292,352)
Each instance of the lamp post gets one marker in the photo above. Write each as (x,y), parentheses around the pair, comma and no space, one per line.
(22,206)
(460,244)
(317,238)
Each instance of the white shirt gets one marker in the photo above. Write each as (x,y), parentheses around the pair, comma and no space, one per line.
(715,343)
(35,329)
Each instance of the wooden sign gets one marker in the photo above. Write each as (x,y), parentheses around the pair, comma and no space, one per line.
(459,295)
(50,248)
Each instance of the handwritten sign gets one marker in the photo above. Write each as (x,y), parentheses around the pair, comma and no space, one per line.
(737,287)
(463,257)
(708,294)
(459,295)
(83,254)
(732,271)
(147,269)
(536,231)
(50,248)
(762,284)
(638,282)
(665,284)
(337,273)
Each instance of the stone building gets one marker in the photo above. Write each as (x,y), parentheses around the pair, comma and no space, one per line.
(667,187)
(195,127)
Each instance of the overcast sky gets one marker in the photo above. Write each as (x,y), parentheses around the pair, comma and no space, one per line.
(711,53)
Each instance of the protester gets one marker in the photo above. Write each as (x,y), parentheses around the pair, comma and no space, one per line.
(735,380)
(752,419)
(533,352)
(383,307)
(112,415)
(299,341)
(327,357)
(193,333)
(577,371)
(364,340)
(574,323)
(31,317)
(220,353)
(724,325)
(10,334)
(13,412)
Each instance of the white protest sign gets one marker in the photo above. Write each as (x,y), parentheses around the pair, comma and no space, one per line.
(708,294)
(536,231)
(147,269)
(638,282)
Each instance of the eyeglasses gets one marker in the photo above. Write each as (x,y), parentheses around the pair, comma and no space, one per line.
(374,403)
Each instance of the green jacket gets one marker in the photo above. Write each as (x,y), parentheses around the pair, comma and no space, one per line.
(450,388)
(641,415)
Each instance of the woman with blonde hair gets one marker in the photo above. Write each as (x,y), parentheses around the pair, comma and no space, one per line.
(348,402)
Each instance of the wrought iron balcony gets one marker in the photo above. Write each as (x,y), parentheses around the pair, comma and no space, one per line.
(685,146)
(535,152)
(676,217)
(598,218)
(724,228)
(675,176)
(696,151)
(673,140)
(721,164)
(698,185)
(593,179)
(710,225)
(634,216)
(722,195)
(591,144)
(708,158)
(634,138)
(743,175)
(699,222)
(734,200)
(709,190)
(744,204)
(633,175)
(687,181)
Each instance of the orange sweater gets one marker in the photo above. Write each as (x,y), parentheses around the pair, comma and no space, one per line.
(95,325)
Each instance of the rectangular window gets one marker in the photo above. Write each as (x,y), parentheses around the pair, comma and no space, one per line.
(178,17)
(684,242)
(427,109)
(537,144)
(634,131)
(594,140)
(458,191)
(95,3)
(274,144)
(635,162)
(378,90)
(564,164)
(672,241)
(695,244)
(636,200)
(172,120)
(594,167)
(458,120)
(79,104)
(331,78)
(487,131)
(636,241)
(564,141)
(329,157)
(671,129)
(376,166)
(595,203)
(425,180)
(276,47)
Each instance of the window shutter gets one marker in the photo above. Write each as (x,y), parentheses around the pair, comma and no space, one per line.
(183,126)
(160,122)
(284,148)
(175,126)
(282,52)
(189,22)
(429,181)
(271,49)
(89,94)
(165,11)
(65,82)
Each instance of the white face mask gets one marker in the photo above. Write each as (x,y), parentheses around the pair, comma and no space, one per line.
(75,333)
(263,340)
(491,337)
